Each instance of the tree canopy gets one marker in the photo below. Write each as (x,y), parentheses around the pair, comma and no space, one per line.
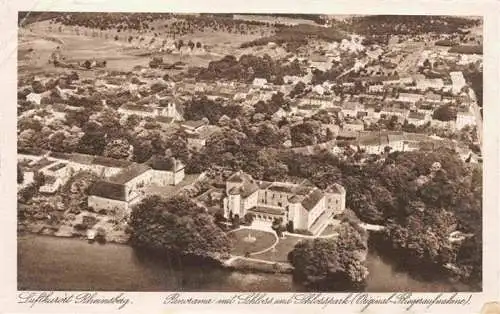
(177,225)
(332,263)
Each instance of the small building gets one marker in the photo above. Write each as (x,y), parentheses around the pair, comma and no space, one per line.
(166,171)
(52,184)
(432,97)
(353,126)
(465,118)
(423,83)
(443,124)
(350,109)
(279,114)
(376,88)
(457,81)
(34,98)
(140,110)
(417,118)
(259,82)
(394,111)
(410,97)
(192,126)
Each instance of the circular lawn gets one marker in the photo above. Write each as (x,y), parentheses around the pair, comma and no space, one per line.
(250,241)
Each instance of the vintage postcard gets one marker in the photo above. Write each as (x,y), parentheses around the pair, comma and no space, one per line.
(295,156)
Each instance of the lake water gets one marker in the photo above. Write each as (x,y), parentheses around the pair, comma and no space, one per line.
(49,263)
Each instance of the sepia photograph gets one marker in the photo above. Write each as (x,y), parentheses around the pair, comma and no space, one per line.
(249,152)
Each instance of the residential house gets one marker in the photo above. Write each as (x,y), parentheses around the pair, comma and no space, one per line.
(373,143)
(166,171)
(304,206)
(320,62)
(465,118)
(353,126)
(196,140)
(423,83)
(443,124)
(320,101)
(432,97)
(306,110)
(417,118)
(259,82)
(51,185)
(192,126)
(410,97)
(140,110)
(350,109)
(377,88)
(457,81)
(394,111)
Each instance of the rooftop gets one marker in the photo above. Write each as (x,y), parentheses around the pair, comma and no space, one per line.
(57,167)
(134,107)
(416,115)
(163,119)
(129,173)
(106,189)
(312,199)
(111,162)
(42,163)
(193,124)
(267,210)
(166,164)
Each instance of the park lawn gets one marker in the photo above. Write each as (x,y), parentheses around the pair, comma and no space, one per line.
(329,230)
(263,241)
(280,253)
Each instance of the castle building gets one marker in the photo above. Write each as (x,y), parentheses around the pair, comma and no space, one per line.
(305,206)
(123,190)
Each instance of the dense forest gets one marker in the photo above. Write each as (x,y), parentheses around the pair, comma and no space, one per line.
(296,36)
(408,24)
(248,67)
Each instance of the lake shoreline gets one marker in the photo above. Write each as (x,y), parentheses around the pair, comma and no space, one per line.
(39,270)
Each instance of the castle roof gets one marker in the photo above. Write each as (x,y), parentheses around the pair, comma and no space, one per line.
(166,164)
(312,199)
(129,173)
(106,189)
(266,210)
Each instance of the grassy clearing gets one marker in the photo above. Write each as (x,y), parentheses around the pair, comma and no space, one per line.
(263,240)
(281,250)
(329,230)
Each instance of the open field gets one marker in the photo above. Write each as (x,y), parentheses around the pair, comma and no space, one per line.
(81,44)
